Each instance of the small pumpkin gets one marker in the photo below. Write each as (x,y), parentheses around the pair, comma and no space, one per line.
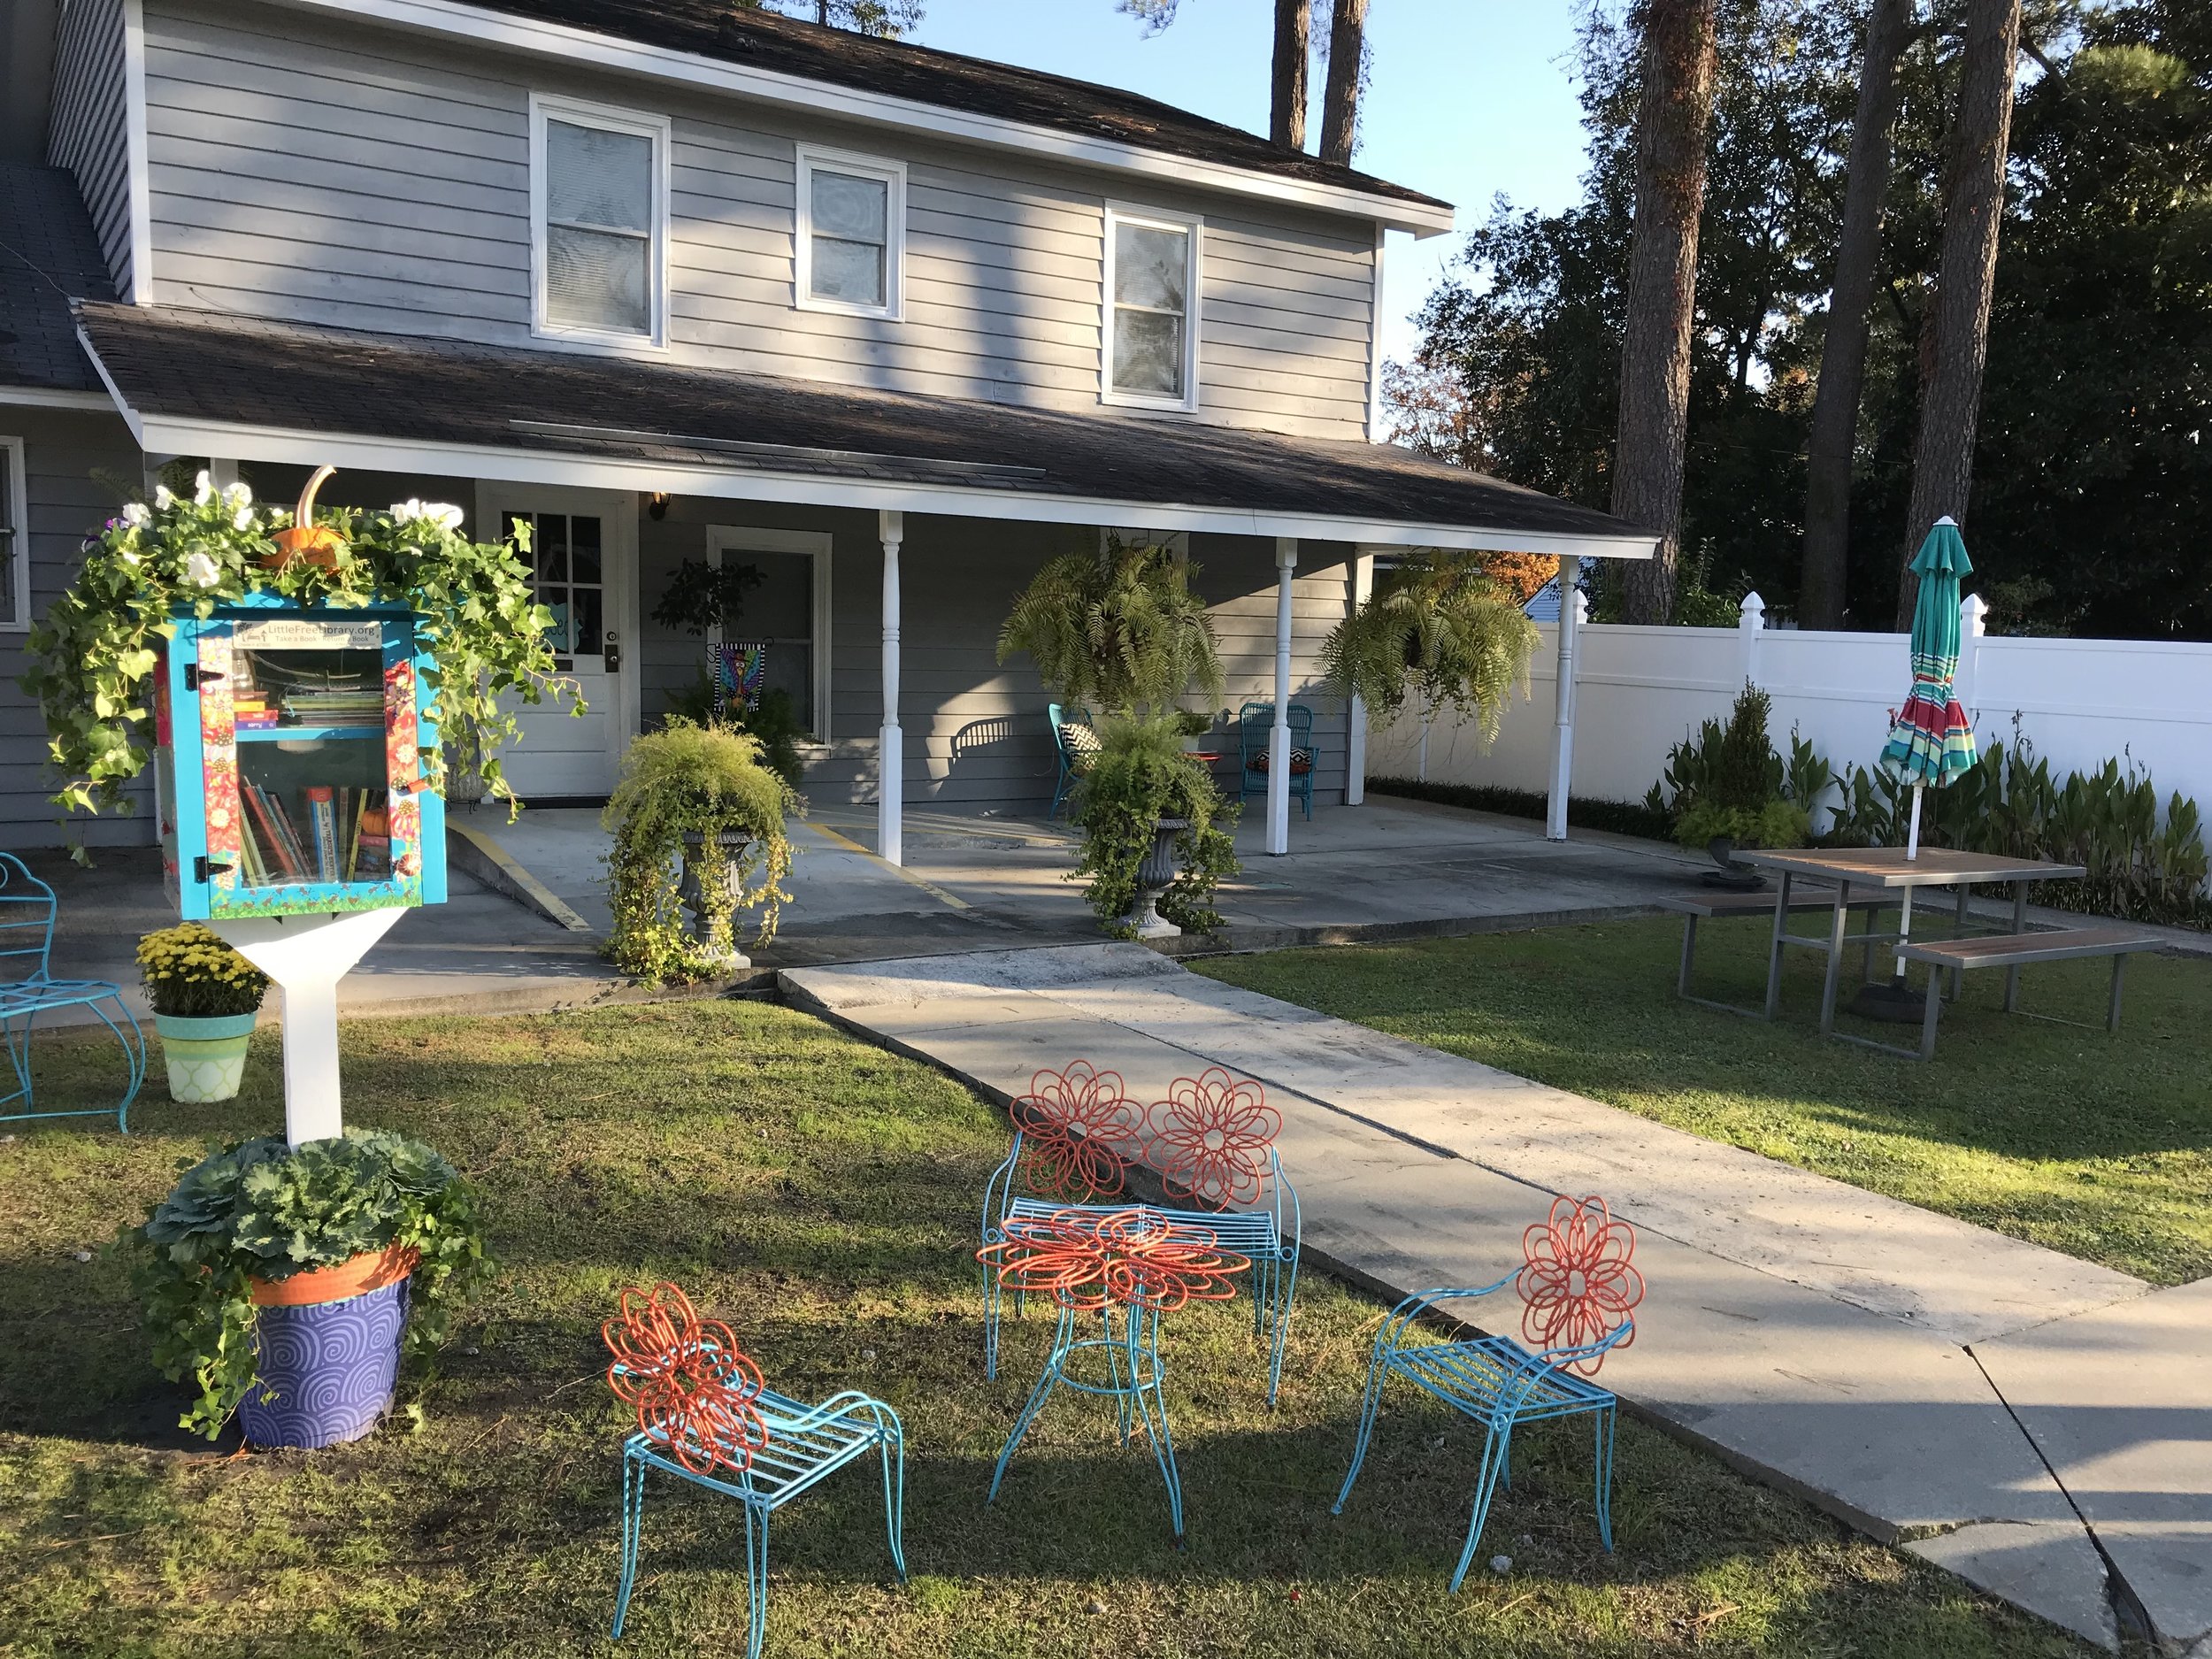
(318,544)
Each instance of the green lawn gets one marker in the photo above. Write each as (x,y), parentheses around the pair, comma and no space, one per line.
(820,1195)
(2098,1146)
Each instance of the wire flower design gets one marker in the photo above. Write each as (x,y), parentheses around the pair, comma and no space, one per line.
(694,1389)
(1131,1257)
(1578,1282)
(1211,1136)
(1072,1122)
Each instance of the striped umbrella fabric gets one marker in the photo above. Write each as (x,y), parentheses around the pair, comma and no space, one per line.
(1932,741)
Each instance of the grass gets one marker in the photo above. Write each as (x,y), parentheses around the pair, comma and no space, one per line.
(820,1195)
(2094,1145)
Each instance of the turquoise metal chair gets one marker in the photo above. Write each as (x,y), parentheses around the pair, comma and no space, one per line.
(1070,760)
(1578,1287)
(1256,726)
(27,907)
(702,1406)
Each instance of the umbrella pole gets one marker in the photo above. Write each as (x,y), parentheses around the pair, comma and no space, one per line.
(1904,909)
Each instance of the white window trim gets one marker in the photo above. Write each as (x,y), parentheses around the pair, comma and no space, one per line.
(658,128)
(893,175)
(19,543)
(1119,213)
(815,545)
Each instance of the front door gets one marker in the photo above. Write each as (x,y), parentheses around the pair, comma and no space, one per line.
(583,561)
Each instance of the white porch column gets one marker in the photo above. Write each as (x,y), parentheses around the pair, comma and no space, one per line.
(1279,739)
(890,742)
(220,473)
(1562,754)
(1361,586)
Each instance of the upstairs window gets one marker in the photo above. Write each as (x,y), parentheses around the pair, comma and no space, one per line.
(851,234)
(1151,355)
(599,211)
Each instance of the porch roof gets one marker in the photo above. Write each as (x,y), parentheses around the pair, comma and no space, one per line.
(204,383)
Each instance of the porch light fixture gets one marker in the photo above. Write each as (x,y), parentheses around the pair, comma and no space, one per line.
(656,508)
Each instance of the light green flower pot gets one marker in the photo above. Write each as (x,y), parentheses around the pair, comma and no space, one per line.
(206,1058)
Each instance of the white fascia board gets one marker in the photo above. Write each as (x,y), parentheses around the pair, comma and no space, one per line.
(165,435)
(606,52)
(46,397)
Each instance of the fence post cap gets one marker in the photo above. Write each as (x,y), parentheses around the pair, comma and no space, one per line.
(1582,606)
(1972,611)
(1754,611)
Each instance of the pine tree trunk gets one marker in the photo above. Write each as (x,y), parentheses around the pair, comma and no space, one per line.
(1679,51)
(1973,208)
(1294,45)
(1340,99)
(1820,598)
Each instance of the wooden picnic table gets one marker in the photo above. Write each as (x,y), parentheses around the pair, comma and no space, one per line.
(1887,869)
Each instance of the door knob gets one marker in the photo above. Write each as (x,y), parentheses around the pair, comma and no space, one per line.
(612,655)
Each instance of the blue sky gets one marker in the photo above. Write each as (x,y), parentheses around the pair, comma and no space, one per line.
(1469,98)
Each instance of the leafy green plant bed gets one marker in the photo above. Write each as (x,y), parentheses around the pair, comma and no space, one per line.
(2098,1146)
(1621,817)
(821,1195)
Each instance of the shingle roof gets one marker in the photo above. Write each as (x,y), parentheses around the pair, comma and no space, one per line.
(49,256)
(209,367)
(762,40)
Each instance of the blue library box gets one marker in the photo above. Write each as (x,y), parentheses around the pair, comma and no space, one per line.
(290,775)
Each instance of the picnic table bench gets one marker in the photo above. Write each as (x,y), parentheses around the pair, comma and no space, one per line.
(1699,904)
(2014,951)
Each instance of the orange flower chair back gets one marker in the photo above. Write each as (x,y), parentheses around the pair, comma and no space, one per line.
(1578,1283)
(1213,1139)
(1075,1127)
(694,1389)
(1129,1258)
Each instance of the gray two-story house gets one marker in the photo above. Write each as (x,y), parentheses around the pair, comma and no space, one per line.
(673,281)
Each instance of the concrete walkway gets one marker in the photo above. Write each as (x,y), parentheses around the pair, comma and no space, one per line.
(1916,1376)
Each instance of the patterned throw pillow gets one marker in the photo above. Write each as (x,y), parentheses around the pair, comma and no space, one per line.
(1078,742)
(1301,761)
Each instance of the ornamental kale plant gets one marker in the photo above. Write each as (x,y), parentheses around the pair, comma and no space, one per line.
(259,1209)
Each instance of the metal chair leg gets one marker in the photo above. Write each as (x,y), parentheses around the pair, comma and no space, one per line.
(757,1579)
(1371,1405)
(633,1518)
(892,1448)
(1604,1438)
(1492,1460)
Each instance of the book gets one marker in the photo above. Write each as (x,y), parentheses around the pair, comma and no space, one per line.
(256,872)
(353,845)
(322,830)
(273,843)
(375,845)
(295,845)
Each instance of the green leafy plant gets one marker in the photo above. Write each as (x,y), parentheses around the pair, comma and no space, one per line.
(190,973)
(706,781)
(1119,630)
(1439,628)
(701,595)
(1727,782)
(775,723)
(259,1209)
(1139,777)
(95,652)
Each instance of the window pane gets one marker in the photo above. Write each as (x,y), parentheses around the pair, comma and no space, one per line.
(1149,353)
(555,598)
(1151,266)
(598,177)
(583,536)
(552,548)
(850,209)
(585,640)
(596,280)
(849,271)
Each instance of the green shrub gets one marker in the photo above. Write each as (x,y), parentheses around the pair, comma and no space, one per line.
(1139,776)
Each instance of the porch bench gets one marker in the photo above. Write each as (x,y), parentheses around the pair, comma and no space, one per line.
(2014,951)
(1719,903)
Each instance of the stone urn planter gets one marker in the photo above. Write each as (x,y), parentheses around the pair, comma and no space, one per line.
(206,1055)
(1732,876)
(326,1346)
(714,870)
(1154,877)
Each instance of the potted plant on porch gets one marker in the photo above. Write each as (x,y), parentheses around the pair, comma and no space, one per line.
(1440,627)
(1156,840)
(205,996)
(286,1283)
(698,821)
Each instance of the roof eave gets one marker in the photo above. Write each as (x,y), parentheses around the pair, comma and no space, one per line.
(451,20)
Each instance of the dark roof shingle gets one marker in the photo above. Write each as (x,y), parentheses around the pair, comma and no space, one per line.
(205,366)
(49,256)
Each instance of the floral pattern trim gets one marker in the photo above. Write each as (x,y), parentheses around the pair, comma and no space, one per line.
(1212,1138)
(1578,1283)
(1128,1258)
(403,768)
(1074,1124)
(694,1390)
(218,763)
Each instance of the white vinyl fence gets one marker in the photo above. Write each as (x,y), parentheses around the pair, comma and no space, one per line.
(1642,690)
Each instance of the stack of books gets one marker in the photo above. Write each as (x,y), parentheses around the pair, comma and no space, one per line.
(336,708)
(251,710)
(339,834)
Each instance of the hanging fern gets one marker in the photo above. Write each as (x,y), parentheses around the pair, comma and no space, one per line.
(1120,630)
(1436,628)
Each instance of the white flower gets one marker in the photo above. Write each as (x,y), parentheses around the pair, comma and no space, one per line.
(135,515)
(203,490)
(406,511)
(238,495)
(200,571)
(437,513)
(242,519)
(163,499)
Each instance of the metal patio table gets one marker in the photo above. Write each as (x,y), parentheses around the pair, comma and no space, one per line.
(1888,869)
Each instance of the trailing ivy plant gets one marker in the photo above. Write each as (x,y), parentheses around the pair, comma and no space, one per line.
(1119,629)
(260,1209)
(95,654)
(1438,628)
(705,779)
(1139,776)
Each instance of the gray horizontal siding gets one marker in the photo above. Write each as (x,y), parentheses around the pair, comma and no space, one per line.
(88,127)
(349,176)
(62,453)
